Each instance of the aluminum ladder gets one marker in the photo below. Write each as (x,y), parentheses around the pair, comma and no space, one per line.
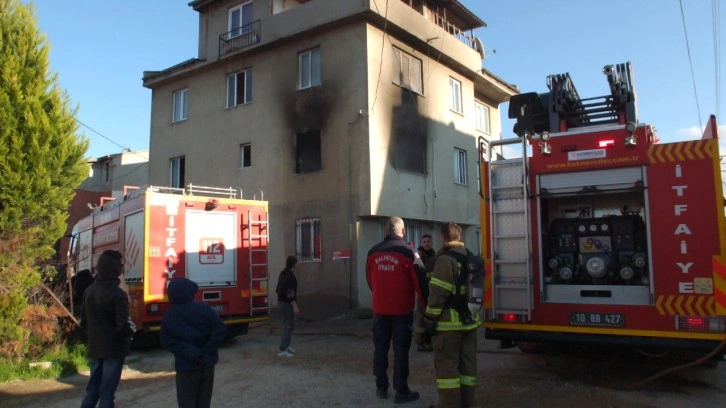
(511,233)
(259,277)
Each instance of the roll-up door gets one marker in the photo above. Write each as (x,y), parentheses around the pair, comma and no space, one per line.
(602,180)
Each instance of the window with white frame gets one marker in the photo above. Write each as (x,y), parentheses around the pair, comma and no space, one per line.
(455,95)
(307,241)
(245,155)
(239,88)
(181,105)
(176,167)
(239,18)
(407,71)
(460,176)
(481,113)
(308,73)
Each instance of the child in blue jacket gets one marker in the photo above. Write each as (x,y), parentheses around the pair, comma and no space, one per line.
(193,332)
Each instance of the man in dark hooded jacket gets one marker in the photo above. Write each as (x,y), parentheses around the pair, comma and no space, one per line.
(105,319)
(193,332)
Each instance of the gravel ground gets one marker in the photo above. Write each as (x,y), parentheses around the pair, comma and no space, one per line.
(332,368)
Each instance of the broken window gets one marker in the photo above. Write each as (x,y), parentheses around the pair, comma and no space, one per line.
(308,156)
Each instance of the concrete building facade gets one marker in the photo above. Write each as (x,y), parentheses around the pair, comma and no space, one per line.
(340,113)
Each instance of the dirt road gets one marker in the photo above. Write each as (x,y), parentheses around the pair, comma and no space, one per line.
(332,368)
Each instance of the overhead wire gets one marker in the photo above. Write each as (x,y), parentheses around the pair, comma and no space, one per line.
(690,62)
(123,148)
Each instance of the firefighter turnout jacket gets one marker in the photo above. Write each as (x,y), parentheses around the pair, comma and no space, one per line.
(393,277)
(442,287)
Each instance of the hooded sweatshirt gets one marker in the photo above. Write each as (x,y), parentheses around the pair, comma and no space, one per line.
(191,330)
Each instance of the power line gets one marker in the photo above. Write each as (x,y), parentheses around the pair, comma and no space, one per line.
(690,61)
(123,148)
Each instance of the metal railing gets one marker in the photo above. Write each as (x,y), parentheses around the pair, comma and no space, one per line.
(239,38)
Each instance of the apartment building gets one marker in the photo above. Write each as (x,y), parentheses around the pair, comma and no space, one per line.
(340,113)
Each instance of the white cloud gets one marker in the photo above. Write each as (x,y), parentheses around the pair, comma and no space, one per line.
(694,132)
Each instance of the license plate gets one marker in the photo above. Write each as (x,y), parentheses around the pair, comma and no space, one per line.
(597,319)
(218,308)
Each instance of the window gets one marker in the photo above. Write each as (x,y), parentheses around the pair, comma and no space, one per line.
(455,91)
(308,72)
(181,105)
(482,117)
(460,166)
(238,19)
(307,242)
(407,71)
(245,155)
(106,171)
(307,152)
(176,166)
(239,88)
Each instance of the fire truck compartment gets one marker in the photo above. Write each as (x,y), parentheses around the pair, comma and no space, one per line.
(594,241)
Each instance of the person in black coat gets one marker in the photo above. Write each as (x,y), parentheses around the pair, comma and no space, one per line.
(106,322)
(193,332)
(79,283)
(286,299)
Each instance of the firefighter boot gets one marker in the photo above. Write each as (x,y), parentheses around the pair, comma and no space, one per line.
(467,396)
(450,398)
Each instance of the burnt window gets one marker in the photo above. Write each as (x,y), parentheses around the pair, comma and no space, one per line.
(307,152)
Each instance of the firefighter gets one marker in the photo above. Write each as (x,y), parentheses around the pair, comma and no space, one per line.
(395,275)
(451,324)
(428,257)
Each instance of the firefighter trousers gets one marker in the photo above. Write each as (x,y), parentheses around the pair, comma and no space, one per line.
(455,363)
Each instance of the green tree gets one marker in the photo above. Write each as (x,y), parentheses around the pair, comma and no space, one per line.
(41,164)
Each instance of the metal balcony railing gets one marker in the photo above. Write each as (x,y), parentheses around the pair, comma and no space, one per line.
(240,37)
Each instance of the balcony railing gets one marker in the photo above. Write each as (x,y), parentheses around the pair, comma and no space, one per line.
(240,37)
(442,22)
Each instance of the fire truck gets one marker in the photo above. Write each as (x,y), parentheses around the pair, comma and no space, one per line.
(207,234)
(598,234)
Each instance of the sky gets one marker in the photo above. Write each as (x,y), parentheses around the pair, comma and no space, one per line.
(100,49)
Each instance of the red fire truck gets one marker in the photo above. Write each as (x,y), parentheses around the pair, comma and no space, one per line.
(209,235)
(599,234)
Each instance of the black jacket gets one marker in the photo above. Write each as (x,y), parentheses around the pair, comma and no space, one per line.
(191,330)
(105,317)
(286,286)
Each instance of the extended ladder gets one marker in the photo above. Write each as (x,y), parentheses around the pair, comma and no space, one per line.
(510,233)
(259,278)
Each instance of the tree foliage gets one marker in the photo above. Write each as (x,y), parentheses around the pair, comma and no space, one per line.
(41,161)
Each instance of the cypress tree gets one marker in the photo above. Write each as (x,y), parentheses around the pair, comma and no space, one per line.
(41,164)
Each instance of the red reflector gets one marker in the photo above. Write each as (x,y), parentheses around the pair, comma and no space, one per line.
(606,143)
(509,318)
(696,324)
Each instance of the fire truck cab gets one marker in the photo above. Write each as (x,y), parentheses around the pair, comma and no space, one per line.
(599,234)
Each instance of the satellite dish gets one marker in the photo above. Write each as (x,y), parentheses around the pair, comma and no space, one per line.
(479,47)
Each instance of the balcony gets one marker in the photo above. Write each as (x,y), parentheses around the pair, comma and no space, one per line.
(239,38)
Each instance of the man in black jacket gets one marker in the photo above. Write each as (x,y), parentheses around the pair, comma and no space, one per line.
(105,318)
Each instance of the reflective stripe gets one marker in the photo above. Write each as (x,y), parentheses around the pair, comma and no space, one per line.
(448,326)
(442,284)
(448,383)
(468,380)
(436,311)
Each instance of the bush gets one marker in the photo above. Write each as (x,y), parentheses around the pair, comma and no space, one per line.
(65,361)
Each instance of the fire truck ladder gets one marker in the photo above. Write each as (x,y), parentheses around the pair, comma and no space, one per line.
(510,232)
(257,239)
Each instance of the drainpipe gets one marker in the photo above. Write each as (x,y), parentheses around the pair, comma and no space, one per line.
(352,238)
